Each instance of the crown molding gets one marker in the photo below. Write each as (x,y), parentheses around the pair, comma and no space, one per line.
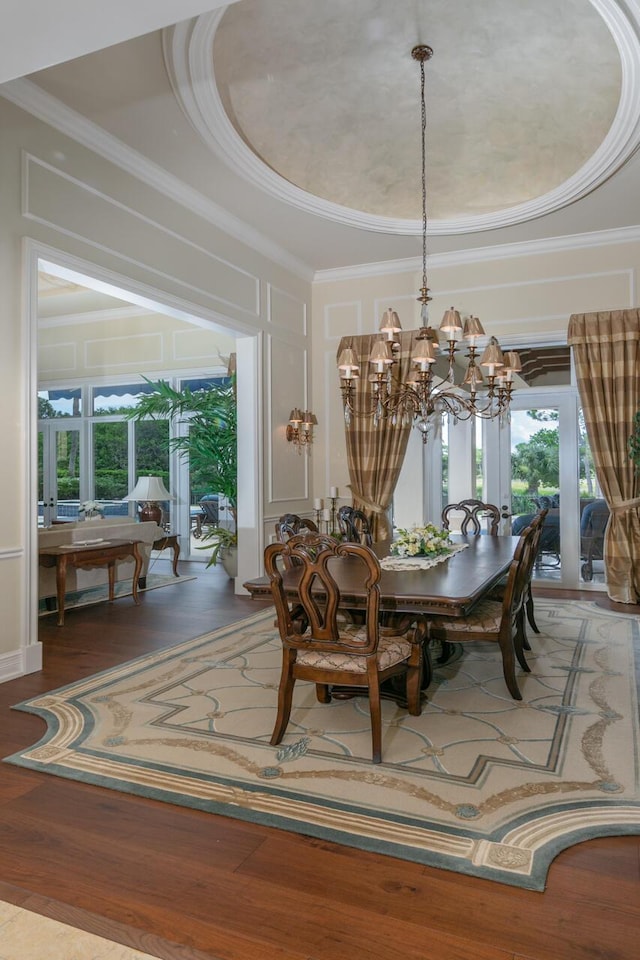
(504,251)
(187,51)
(36,101)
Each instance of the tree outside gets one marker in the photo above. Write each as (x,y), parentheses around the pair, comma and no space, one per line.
(537,461)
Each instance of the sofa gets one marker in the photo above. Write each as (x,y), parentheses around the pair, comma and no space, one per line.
(110,528)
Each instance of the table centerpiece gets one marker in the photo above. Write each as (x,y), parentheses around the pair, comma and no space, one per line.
(427,541)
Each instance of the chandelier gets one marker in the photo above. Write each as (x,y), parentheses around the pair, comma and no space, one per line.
(422,395)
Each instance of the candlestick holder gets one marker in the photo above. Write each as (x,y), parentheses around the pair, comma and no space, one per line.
(334,528)
(318,513)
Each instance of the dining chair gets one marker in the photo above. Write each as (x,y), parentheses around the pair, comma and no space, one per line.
(324,651)
(354,526)
(537,523)
(473,513)
(289,524)
(501,622)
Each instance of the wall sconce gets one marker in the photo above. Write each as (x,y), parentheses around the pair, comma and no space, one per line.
(300,428)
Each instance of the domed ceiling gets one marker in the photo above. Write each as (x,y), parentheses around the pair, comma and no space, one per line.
(529,104)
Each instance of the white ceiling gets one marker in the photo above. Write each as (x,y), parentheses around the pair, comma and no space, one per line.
(36,35)
(532,116)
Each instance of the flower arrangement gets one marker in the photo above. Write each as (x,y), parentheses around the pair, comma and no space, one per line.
(426,541)
(91,508)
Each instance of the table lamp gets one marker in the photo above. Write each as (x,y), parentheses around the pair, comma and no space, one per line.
(148,491)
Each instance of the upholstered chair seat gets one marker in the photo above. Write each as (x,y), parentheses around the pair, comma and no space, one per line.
(391,650)
(486,616)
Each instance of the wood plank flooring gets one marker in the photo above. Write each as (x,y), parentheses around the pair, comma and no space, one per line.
(185,885)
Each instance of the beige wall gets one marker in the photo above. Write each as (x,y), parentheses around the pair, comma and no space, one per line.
(66,200)
(520,298)
(70,203)
(127,347)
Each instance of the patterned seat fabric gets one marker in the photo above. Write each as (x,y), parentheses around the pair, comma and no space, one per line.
(486,616)
(391,650)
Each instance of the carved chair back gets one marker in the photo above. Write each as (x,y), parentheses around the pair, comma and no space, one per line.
(354,526)
(473,513)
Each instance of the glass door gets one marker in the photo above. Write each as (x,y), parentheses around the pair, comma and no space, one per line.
(541,464)
(58,473)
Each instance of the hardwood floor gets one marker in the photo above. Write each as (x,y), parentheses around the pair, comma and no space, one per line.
(179,883)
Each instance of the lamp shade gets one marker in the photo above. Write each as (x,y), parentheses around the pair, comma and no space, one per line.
(390,323)
(149,488)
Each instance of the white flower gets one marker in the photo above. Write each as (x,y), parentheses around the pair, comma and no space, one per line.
(420,541)
(91,506)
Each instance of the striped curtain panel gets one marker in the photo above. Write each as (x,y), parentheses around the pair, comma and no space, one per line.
(606,350)
(375,453)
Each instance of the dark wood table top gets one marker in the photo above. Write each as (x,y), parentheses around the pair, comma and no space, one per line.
(450,588)
(89,548)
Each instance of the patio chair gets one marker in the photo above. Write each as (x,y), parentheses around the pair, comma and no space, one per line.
(593,524)
(320,649)
(208,515)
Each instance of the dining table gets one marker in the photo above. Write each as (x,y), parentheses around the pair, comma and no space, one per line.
(450,588)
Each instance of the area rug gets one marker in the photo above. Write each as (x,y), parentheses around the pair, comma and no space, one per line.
(100,593)
(479,783)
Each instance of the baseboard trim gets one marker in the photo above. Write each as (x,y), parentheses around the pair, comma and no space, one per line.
(18,662)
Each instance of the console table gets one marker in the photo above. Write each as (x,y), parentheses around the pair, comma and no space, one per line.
(100,554)
(163,543)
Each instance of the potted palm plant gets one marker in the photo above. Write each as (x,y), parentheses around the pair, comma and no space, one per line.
(210,445)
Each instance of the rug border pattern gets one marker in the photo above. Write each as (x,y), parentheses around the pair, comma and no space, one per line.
(517,853)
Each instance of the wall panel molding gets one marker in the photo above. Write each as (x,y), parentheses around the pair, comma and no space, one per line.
(286,311)
(288,473)
(97,352)
(47,108)
(124,232)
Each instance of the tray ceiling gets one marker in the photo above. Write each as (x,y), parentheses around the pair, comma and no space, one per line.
(529,105)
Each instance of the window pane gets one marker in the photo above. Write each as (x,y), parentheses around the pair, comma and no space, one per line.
(110,463)
(535,470)
(118,398)
(445,461)
(68,471)
(152,449)
(479,494)
(204,383)
(545,366)
(59,403)
(594,513)
(535,458)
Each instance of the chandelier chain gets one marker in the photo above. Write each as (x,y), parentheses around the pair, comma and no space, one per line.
(424,174)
